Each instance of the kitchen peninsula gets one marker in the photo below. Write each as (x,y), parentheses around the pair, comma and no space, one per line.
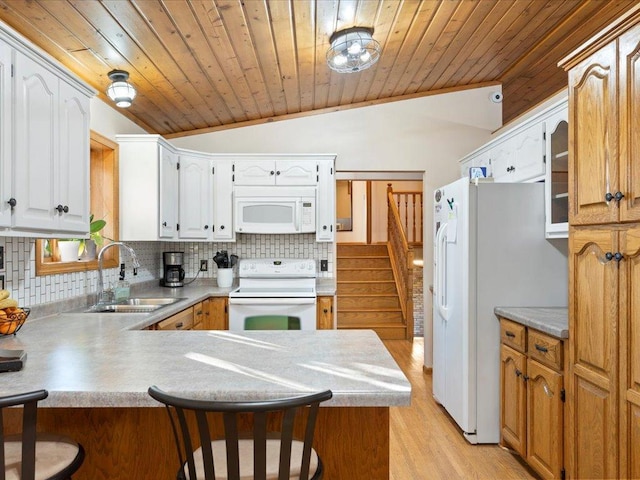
(97,368)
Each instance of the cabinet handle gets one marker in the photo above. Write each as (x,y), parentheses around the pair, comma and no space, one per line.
(326,311)
(608,256)
(12,202)
(59,208)
(65,209)
(618,256)
(179,325)
(619,196)
(510,334)
(518,373)
(324,227)
(278,172)
(511,169)
(221,227)
(608,196)
(272,172)
(542,349)
(206,227)
(164,224)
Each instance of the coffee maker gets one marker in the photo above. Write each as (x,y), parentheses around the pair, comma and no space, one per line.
(173,275)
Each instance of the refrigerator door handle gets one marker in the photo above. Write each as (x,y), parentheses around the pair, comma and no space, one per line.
(441,269)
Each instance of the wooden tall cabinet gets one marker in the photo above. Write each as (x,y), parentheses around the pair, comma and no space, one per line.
(603,384)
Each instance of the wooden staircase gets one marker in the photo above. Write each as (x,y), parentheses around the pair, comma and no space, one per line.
(367,296)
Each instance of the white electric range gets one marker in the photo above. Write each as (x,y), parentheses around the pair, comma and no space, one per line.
(274,294)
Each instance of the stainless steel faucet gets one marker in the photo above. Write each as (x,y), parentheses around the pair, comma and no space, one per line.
(136,265)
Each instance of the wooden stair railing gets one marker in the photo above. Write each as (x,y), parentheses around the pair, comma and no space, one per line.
(401,255)
(410,211)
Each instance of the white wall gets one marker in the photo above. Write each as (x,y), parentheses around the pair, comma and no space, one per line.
(428,134)
(107,121)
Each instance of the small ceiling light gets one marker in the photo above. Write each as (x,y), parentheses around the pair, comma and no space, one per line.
(352,50)
(120,91)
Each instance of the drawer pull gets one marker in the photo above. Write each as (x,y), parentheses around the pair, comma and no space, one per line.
(510,334)
(542,349)
(179,325)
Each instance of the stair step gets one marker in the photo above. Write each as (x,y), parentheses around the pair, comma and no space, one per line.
(366,287)
(355,249)
(364,262)
(368,302)
(356,318)
(377,274)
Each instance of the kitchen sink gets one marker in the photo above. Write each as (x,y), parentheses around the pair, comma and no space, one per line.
(134,305)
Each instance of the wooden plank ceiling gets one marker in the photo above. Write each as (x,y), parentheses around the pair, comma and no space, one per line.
(205,65)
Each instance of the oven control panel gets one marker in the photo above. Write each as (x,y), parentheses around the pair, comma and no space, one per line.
(278,267)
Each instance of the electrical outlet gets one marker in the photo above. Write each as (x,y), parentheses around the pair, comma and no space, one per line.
(324,265)
(204,265)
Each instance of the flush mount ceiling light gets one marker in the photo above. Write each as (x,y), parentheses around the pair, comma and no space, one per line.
(352,50)
(120,91)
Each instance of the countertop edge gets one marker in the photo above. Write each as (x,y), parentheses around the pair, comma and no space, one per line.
(550,320)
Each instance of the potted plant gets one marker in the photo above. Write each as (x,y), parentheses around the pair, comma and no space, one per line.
(87,248)
(74,249)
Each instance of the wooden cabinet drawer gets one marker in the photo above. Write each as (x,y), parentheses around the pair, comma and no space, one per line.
(545,349)
(179,321)
(513,334)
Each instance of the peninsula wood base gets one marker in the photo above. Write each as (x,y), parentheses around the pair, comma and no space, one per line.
(127,443)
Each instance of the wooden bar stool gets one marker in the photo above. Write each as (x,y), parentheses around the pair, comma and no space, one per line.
(31,455)
(265,449)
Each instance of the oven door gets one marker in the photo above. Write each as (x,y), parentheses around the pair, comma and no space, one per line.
(288,313)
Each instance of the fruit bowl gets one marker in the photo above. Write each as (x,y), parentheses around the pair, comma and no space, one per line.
(11,321)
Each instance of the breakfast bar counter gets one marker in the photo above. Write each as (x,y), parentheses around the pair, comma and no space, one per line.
(97,370)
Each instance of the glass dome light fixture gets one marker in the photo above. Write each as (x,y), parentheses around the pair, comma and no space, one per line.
(352,50)
(120,91)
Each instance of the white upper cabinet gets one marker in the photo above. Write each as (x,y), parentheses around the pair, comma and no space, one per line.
(44,153)
(269,171)
(5,135)
(143,190)
(51,165)
(481,159)
(168,218)
(326,201)
(195,205)
(520,157)
(223,230)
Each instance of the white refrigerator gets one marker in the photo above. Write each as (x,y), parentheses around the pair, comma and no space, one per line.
(489,250)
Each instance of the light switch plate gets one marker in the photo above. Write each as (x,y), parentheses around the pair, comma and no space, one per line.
(324,265)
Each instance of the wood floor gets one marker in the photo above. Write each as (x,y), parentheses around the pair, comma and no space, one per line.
(427,444)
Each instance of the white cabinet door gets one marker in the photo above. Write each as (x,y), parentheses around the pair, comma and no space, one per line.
(502,157)
(254,172)
(269,171)
(520,157)
(168,215)
(529,153)
(326,201)
(73,164)
(296,172)
(223,201)
(36,146)
(5,135)
(195,205)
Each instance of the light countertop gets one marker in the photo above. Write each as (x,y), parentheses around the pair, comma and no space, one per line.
(551,320)
(105,360)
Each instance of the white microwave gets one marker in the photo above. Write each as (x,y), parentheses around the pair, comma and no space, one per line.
(274,209)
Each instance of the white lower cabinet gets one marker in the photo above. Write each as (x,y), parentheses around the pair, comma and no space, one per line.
(326,201)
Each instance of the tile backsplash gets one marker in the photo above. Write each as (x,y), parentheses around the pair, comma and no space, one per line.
(20,266)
